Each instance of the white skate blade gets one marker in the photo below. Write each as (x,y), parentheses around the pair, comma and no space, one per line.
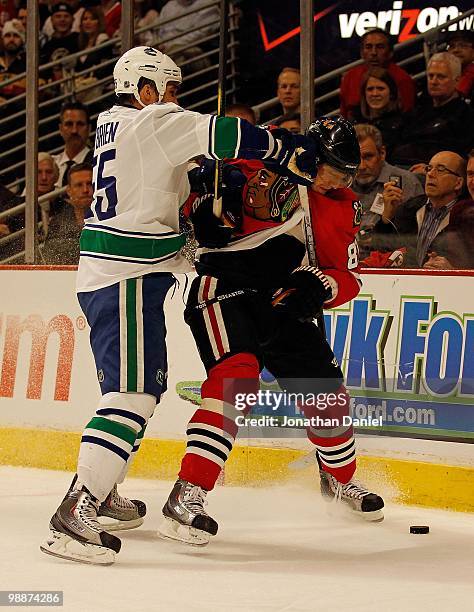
(62,546)
(341,508)
(172,530)
(111,524)
(376,516)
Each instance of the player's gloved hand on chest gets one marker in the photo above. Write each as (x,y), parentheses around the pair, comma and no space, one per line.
(304,294)
(209,231)
(201,179)
(296,158)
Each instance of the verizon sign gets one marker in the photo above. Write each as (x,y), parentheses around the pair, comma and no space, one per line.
(27,347)
(403,22)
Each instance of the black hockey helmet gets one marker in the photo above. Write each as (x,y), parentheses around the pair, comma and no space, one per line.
(337,143)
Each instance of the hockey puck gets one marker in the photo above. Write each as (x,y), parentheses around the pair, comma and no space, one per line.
(419,529)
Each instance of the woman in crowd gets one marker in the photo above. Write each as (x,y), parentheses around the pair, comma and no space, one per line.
(92,33)
(380,105)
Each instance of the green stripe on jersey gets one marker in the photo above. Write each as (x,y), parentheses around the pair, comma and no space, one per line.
(127,246)
(115,429)
(225,137)
(131,314)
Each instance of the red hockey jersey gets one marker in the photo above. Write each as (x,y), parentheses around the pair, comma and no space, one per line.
(335,219)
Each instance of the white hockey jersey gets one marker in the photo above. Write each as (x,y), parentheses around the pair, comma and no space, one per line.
(140,182)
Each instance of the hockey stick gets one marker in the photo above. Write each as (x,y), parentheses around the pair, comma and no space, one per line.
(221,90)
(307,116)
(310,244)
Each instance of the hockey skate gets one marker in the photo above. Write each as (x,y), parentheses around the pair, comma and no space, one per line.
(185,518)
(362,502)
(77,535)
(117,513)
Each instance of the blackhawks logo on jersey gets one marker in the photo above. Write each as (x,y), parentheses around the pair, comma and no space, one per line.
(270,197)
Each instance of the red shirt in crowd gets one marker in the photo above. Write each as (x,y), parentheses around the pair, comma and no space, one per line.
(466,82)
(112,19)
(352,80)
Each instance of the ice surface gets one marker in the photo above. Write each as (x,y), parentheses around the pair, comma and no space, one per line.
(277,549)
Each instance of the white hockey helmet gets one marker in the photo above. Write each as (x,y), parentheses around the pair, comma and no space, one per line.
(144,62)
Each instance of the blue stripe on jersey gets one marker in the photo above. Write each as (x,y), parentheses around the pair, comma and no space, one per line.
(108,445)
(124,413)
(135,261)
(255,142)
(120,231)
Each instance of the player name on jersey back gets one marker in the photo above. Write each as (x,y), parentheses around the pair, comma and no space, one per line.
(105,134)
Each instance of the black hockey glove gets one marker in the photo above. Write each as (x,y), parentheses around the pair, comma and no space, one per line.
(233,180)
(209,231)
(305,293)
(201,178)
(296,158)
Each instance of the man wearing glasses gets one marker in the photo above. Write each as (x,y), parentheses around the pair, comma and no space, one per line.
(419,223)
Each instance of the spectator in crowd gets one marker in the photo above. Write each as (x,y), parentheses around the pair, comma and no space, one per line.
(62,43)
(375,179)
(288,90)
(8,11)
(461,44)
(455,248)
(242,111)
(12,59)
(47,176)
(146,15)
(443,121)
(62,242)
(376,50)
(423,222)
(290,122)
(113,15)
(380,105)
(75,9)
(92,33)
(48,173)
(74,127)
(185,45)
(470,174)
(22,15)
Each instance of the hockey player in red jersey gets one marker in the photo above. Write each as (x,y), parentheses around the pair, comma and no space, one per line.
(253,305)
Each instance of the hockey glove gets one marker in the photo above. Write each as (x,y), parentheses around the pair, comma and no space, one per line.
(303,297)
(233,180)
(209,231)
(296,157)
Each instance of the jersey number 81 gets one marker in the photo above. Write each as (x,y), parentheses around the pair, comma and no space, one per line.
(352,256)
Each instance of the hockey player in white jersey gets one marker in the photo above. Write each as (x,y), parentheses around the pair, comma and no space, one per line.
(130,248)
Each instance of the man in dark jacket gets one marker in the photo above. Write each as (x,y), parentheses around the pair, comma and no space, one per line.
(444,121)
